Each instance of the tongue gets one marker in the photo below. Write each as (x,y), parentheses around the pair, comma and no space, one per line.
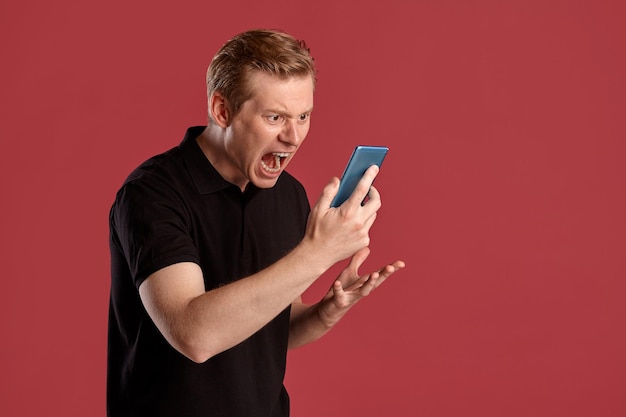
(271,161)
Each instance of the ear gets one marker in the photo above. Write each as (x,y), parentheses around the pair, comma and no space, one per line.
(219,109)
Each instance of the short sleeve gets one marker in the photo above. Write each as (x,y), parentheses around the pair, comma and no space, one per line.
(151,228)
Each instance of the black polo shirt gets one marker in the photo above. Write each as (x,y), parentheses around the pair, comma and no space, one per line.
(173,208)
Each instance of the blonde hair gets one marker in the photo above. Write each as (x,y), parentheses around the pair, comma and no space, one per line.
(269,51)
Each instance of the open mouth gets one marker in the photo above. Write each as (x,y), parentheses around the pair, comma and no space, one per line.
(273,161)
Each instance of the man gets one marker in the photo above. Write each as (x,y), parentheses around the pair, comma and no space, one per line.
(213,243)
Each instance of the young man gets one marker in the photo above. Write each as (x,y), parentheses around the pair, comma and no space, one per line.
(213,243)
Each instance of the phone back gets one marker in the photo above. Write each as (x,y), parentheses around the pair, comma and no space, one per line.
(362,158)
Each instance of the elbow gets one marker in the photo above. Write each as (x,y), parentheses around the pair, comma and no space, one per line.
(196,343)
(193,351)
(197,357)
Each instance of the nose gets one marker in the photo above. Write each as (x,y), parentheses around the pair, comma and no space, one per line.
(292,133)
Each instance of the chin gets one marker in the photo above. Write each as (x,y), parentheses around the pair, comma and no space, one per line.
(265,183)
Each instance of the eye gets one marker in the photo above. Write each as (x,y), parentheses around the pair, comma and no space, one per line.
(304,117)
(274,118)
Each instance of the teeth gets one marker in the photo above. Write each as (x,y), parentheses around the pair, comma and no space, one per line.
(268,169)
(277,156)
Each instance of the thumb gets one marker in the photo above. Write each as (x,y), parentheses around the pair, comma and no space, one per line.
(357,260)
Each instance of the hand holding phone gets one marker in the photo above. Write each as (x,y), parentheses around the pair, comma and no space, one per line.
(362,158)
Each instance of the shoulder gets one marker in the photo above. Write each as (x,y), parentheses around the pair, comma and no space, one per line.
(156,168)
(168,165)
(157,179)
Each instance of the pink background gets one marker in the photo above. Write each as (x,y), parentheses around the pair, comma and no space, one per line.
(504,191)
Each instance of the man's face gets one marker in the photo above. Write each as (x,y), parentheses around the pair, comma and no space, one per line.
(268,130)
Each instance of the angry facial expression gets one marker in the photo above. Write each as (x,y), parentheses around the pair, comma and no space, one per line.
(262,138)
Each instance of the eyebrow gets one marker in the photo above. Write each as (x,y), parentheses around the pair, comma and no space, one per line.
(287,114)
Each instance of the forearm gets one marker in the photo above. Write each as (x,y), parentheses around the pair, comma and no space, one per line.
(230,314)
(202,324)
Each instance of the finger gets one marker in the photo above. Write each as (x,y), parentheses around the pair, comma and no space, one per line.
(371,206)
(351,272)
(362,187)
(328,193)
(370,284)
(381,275)
(373,197)
(357,284)
(358,258)
(397,265)
(377,278)
(378,281)
(339,295)
(387,271)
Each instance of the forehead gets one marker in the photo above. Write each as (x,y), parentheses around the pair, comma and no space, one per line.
(290,94)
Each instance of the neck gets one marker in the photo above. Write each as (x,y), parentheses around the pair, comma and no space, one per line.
(211,142)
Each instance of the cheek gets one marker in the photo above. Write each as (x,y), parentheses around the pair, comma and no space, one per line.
(260,129)
(304,130)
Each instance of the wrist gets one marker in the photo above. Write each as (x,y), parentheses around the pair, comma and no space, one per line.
(328,313)
(313,256)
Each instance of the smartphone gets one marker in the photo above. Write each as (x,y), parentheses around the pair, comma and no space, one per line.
(362,158)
